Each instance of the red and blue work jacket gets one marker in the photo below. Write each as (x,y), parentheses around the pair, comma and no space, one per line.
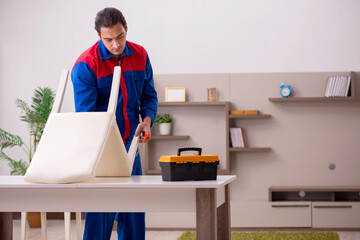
(92,78)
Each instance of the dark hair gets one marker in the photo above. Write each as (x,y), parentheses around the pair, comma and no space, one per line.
(109,17)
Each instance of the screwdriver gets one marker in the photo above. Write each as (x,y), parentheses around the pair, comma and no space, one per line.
(142,144)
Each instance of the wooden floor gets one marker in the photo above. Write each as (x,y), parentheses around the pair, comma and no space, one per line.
(55,230)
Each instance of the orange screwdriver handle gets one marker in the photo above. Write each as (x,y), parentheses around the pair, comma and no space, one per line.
(146,137)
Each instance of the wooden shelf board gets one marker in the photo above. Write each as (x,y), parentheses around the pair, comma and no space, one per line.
(251,116)
(171,137)
(193,104)
(315,188)
(315,99)
(250,149)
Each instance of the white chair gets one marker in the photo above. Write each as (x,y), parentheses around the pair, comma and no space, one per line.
(81,146)
(78,147)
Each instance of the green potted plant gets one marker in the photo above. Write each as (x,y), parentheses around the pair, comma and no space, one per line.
(36,117)
(164,122)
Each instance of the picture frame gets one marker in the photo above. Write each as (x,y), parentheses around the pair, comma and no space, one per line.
(175,94)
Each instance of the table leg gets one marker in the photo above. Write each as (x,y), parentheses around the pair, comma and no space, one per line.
(43,226)
(23,225)
(78,226)
(67,220)
(6,226)
(223,217)
(206,214)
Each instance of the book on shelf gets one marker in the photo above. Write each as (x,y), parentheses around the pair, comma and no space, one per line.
(338,86)
(244,112)
(237,138)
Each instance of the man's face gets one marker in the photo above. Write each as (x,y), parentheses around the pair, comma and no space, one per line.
(114,38)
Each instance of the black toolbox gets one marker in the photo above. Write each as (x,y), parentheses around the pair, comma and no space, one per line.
(189,167)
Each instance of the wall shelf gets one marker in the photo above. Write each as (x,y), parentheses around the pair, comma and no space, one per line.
(195,104)
(315,99)
(254,116)
(250,149)
(351,98)
(170,137)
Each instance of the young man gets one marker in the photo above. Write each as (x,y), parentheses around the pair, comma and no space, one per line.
(92,78)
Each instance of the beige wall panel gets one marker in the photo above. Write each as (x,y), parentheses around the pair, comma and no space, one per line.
(305,137)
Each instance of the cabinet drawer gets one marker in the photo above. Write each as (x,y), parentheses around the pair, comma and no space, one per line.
(270,214)
(336,214)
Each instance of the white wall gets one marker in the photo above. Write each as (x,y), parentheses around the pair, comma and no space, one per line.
(39,38)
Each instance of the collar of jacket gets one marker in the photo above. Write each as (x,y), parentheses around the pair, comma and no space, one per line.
(104,53)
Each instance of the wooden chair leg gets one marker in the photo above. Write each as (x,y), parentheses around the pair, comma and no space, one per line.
(43,226)
(23,225)
(78,226)
(67,225)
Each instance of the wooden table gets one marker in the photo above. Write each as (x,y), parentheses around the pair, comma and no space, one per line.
(210,199)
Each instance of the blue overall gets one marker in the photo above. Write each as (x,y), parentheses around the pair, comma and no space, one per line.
(92,78)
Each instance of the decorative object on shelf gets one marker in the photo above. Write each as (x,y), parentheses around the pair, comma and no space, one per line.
(175,94)
(285,90)
(244,112)
(237,138)
(211,94)
(338,86)
(164,122)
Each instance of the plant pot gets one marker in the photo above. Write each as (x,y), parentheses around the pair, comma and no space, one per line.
(164,129)
(34,219)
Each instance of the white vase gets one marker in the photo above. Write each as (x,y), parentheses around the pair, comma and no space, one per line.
(164,129)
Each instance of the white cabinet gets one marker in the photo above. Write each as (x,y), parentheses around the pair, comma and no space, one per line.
(336,214)
(331,206)
(262,214)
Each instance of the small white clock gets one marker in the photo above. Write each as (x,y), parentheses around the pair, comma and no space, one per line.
(285,90)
